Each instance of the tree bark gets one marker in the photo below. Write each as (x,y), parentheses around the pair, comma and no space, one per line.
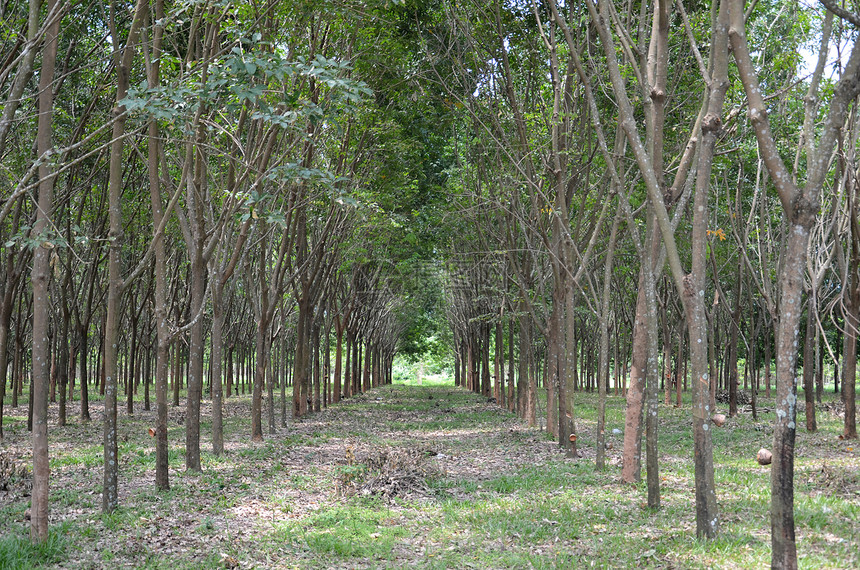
(603,372)
(631,457)
(122,63)
(809,363)
(41,274)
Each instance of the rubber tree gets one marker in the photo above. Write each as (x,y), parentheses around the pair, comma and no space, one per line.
(690,287)
(123,56)
(800,204)
(40,277)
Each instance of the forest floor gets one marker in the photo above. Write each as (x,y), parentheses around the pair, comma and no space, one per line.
(423,476)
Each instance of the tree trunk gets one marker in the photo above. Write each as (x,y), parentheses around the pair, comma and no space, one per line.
(767,360)
(603,376)
(285,367)
(316,362)
(300,365)
(365,367)
(41,303)
(554,403)
(526,384)
(497,362)
(338,359)
(651,382)
(819,369)
(63,365)
(262,347)
(485,360)
(9,287)
(569,378)
(631,462)
(667,357)
(122,63)
(217,364)
(809,363)
(512,397)
(271,378)
(733,343)
(196,350)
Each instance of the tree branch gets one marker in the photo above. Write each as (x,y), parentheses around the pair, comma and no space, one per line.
(841,12)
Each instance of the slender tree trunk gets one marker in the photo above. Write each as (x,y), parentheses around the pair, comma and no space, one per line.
(316,362)
(83,351)
(819,370)
(41,302)
(512,396)
(485,360)
(679,367)
(230,375)
(300,365)
(365,365)
(122,61)
(809,363)
(217,357)
(270,381)
(132,367)
(631,458)
(651,383)
(259,378)
(667,356)
(457,380)
(767,360)
(338,359)
(497,391)
(852,319)
(849,358)
(603,376)
(147,375)
(285,367)
(195,356)
(63,365)
(733,343)
(526,384)
(5,320)
(693,292)
(568,432)
(347,366)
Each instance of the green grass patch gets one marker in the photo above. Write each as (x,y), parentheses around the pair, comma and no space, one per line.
(357,529)
(17,552)
(10,420)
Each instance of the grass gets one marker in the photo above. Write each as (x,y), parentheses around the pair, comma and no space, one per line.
(358,529)
(17,552)
(504,497)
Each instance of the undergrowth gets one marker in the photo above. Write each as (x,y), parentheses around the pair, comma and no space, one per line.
(434,477)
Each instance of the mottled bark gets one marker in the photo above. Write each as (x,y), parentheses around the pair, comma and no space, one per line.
(652,379)
(603,371)
(733,343)
(300,364)
(338,360)
(122,63)
(41,274)
(809,364)
(632,451)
